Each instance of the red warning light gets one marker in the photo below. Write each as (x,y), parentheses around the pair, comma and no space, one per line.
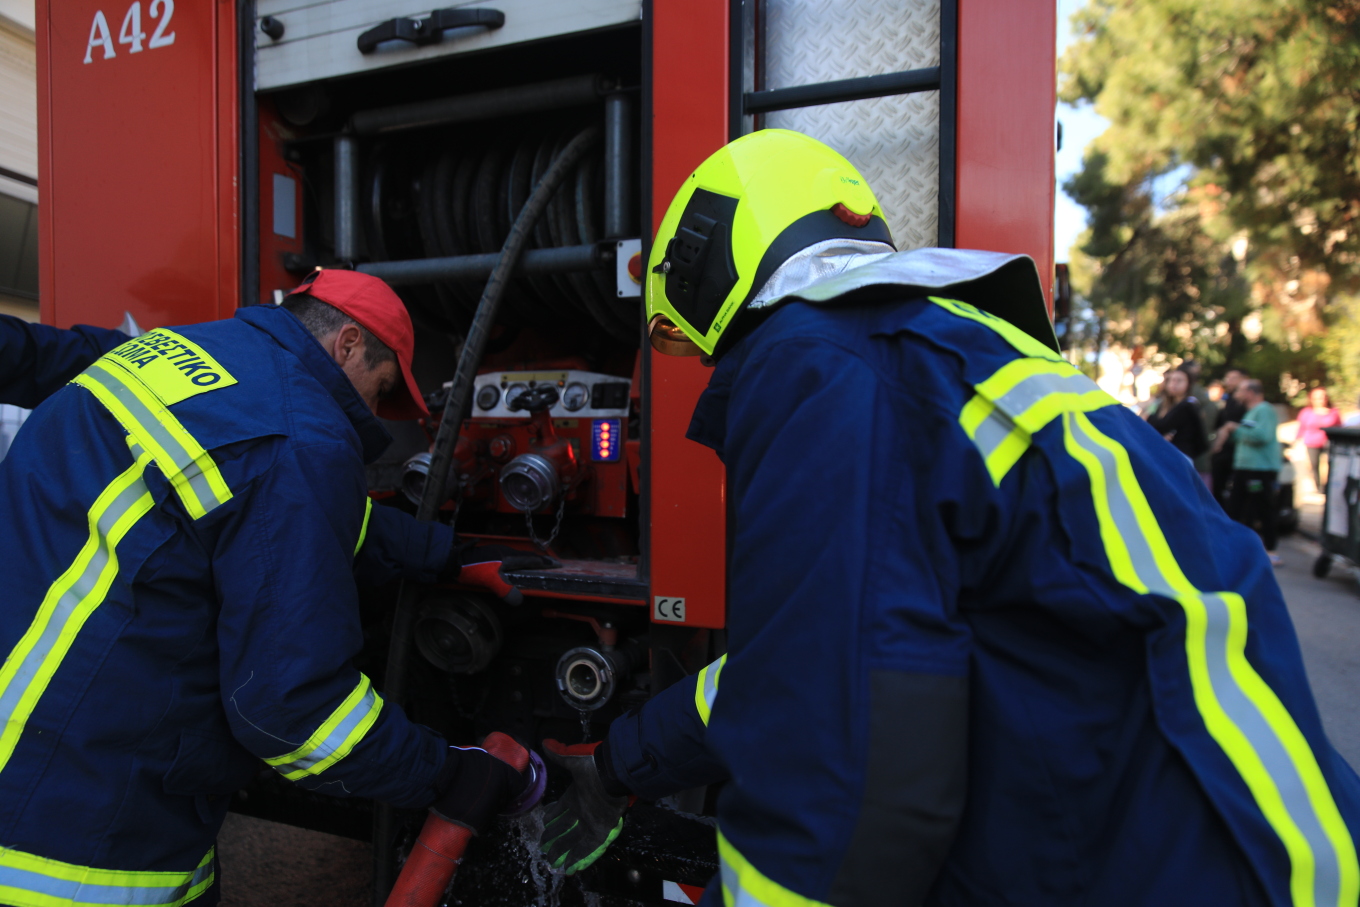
(603,432)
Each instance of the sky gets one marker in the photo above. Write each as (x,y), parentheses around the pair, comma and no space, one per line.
(1080,126)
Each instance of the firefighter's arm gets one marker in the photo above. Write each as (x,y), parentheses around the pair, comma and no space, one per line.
(289,630)
(36,360)
(651,751)
(395,545)
(842,711)
(659,749)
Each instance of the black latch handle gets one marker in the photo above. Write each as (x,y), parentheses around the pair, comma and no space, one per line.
(429,30)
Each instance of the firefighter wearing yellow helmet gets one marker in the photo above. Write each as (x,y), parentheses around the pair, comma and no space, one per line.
(989,638)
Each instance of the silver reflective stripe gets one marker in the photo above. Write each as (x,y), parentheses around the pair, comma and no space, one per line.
(1036,387)
(992,431)
(336,738)
(711,681)
(87,892)
(69,600)
(182,462)
(731,881)
(1235,703)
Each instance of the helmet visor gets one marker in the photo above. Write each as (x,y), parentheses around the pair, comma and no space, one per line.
(668,338)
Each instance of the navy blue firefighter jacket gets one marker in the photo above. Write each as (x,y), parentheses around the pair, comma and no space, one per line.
(990,642)
(178,535)
(37,360)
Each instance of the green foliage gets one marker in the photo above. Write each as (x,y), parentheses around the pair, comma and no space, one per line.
(1340,352)
(1157,279)
(1261,97)
(1259,102)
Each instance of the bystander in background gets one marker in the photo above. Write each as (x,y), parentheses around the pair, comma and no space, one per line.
(1221,454)
(1314,419)
(1176,416)
(1256,463)
(1208,417)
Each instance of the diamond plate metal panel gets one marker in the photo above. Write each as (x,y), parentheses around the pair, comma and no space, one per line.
(893,141)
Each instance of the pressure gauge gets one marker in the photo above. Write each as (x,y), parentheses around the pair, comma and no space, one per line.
(488,396)
(514,391)
(576,396)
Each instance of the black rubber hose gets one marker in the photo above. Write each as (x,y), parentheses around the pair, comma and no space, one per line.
(436,484)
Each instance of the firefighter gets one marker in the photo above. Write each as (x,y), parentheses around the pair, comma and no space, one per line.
(178,530)
(37,360)
(990,640)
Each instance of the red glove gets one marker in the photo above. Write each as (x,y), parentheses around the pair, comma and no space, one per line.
(483,565)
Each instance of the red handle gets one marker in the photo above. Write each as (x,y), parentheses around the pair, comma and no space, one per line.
(426,874)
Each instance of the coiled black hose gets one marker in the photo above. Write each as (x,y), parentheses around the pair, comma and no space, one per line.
(436,485)
(460,193)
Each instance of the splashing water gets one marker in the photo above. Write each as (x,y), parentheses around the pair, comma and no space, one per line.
(547,881)
(585,726)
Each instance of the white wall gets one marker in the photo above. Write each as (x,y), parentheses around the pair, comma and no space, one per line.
(18,117)
(18,102)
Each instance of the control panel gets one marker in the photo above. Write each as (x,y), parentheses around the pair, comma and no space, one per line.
(580,395)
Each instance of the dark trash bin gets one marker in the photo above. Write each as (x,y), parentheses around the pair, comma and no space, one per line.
(1341,515)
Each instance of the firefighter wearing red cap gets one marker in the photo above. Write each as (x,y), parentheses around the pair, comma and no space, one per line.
(179,531)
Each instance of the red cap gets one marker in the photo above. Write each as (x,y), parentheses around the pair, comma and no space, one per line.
(374,305)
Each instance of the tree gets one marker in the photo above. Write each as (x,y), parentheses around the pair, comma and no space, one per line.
(1157,278)
(1261,97)
(1258,101)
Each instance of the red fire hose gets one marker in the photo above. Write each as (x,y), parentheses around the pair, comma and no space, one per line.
(434,858)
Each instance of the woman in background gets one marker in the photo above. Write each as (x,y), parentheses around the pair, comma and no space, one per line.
(1319,414)
(1176,415)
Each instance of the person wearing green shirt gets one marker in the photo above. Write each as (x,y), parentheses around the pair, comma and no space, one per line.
(1256,464)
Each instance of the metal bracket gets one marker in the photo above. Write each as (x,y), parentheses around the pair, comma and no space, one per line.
(429,30)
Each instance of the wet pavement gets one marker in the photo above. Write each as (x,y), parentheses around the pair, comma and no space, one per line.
(1326,615)
(265,864)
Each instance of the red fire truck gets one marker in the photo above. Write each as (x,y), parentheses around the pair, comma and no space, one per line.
(201,156)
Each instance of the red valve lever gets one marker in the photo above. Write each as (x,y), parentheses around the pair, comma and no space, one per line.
(434,858)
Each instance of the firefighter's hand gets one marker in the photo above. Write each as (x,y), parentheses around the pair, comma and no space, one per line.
(474,786)
(578,828)
(483,565)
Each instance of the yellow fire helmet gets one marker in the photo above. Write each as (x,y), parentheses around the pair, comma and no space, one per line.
(754,203)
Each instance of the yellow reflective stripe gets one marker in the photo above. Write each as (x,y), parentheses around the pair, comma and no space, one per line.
(27,880)
(1017,338)
(363,530)
(1018,400)
(1034,392)
(193,473)
(745,886)
(336,737)
(70,601)
(706,688)
(1241,712)
(1000,441)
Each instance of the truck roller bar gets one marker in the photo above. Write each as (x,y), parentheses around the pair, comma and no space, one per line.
(469,192)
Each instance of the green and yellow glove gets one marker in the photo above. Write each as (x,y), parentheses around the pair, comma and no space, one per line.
(580,826)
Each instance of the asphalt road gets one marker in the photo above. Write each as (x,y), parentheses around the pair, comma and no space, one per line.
(1326,616)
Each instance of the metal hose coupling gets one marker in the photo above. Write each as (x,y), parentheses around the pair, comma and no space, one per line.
(588,677)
